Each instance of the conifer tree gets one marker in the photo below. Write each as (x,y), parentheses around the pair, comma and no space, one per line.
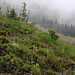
(28,16)
(13,13)
(8,11)
(0,10)
(53,35)
(23,12)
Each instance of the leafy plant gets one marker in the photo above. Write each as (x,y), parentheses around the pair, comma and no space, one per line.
(45,38)
(53,35)
(36,69)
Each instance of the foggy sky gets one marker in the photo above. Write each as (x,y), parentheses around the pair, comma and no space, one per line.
(60,8)
(64,7)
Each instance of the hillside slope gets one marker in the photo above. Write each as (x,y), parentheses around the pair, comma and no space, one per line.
(61,36)
(25,50)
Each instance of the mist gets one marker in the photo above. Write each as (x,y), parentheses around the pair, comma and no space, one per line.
(56,9)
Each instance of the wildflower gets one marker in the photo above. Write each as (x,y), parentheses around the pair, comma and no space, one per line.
(12,60)
(64,71)
(69,41)
(63,55)
(5,17)
(72,43)
(62,47)
(65,42)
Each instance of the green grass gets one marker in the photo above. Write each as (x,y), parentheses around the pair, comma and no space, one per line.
(24,49)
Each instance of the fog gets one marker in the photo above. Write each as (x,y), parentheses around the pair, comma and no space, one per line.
(60,9)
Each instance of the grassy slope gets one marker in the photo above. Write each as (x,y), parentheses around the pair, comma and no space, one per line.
(24,49)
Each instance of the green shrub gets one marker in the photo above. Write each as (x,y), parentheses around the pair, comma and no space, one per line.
(36,69)
(45,37)
(3,33)
(53,35)
(5,40)
(13,14)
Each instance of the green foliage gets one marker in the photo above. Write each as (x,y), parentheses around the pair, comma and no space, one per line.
(45,37)
(53,35)
(36,69)
(13,14)
(49,71)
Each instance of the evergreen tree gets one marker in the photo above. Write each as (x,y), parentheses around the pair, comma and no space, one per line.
(28,15)
(51,23)
(8,11)
(23,12)
(53,35)
(0,10)
(65,29)
(43,20)
(13,14)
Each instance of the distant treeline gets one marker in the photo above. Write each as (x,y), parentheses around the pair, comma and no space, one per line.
(65,29)
(68,30)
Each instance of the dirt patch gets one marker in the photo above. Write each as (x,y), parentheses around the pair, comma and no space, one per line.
(66,38)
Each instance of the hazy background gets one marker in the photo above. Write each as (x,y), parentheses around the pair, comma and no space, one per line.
(59,9)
